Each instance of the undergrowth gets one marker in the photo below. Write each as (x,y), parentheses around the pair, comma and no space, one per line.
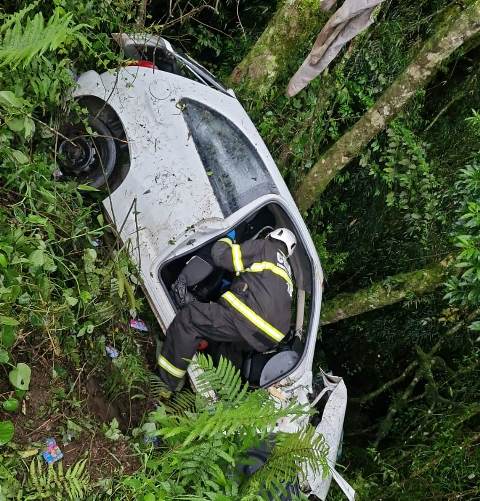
(202,448)
(58,283)
(53,483)
(64,279)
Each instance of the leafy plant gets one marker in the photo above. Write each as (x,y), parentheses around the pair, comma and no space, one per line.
(6,432)
(203,444)
(52,482)
(463,288)
(19,376)
(10,487)
(411,186)
(10,405)
(112,431)
(21,43)
(128,374)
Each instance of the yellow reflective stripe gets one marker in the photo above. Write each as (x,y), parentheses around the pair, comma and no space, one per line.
(236,255)
(250,315)
(237,258)
(171,369)
(265,265)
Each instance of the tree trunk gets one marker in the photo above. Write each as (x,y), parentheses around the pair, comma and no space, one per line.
(450,36)
(141,15)
(384,293)
(293,25)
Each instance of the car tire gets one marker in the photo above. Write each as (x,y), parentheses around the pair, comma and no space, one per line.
(89,158)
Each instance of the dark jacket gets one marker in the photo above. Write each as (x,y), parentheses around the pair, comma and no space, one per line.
(266,293)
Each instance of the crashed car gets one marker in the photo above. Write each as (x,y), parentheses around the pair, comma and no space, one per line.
(182,164)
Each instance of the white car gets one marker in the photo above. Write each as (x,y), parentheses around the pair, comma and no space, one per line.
(183,164)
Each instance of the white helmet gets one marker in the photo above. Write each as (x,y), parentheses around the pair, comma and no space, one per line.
(286,236)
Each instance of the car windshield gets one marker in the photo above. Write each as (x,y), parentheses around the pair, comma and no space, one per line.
(234,168)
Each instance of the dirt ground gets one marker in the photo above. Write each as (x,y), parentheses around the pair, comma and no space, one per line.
(47,410)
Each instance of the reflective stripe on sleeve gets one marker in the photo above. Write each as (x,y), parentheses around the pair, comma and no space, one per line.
(236,255)
(261,324)
(170,368)
(265,265)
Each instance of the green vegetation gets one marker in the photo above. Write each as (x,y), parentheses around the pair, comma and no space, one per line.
(204,444)
(53,483)
(408,202)
(464,288)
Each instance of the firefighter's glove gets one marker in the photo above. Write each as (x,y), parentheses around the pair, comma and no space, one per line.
(232,234)
(180,292)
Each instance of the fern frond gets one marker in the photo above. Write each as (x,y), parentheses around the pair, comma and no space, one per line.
(52,483)
(24,40)
(291,452)
(225,379)
(257,412)
(202,441)
(16,17)
(183,403)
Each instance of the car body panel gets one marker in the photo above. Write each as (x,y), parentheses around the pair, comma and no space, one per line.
(331,427)
(166,205)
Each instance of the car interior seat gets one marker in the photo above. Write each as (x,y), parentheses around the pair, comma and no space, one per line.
(196,270)
(203,279)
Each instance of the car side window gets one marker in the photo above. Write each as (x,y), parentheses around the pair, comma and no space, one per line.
(234,168)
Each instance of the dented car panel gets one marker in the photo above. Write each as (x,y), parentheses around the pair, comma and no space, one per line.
(331,427)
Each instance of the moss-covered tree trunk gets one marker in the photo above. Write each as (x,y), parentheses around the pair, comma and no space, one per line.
(384,293)
(294,24)
(451,35)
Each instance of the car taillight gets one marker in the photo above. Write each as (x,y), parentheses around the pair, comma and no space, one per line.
(143,64)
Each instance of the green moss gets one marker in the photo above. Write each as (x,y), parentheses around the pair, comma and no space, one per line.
(295,24)
(387,292)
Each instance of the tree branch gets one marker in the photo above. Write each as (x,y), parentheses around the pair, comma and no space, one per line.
(451,35)
(374,394)
(387,422)
(389,291)
(141,15)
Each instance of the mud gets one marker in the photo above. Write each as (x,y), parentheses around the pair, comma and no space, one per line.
(98,404)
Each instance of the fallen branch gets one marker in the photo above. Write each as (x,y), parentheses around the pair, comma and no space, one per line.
(386,386)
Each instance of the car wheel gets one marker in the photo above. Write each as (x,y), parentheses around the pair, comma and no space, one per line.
(88,157)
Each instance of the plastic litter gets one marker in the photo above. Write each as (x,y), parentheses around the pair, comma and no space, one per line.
(52,453)
(112,352)
(147,439)
(138,324)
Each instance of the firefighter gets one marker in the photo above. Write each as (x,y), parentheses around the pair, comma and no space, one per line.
(253,315)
